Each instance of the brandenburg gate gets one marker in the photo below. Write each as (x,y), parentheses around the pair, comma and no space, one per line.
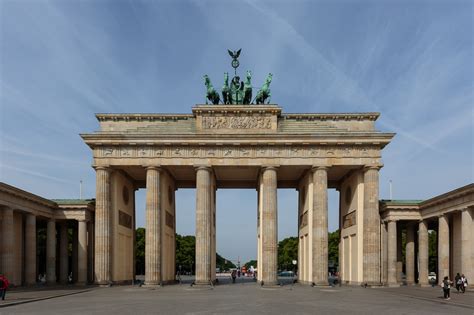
(237,146)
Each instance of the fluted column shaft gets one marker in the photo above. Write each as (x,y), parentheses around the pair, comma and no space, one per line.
(7,241)
(443,248)
(269,227)
(423,253)
(410,254)
(51,252)
(63,253)
(203,225)
(153,227)
(467,236)
(90,254)
(371,235)
(392,252)
(82,253)
(102,227)
(30,250)
(320,226)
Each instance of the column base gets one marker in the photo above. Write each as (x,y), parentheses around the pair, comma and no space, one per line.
(80,283)
(269,284)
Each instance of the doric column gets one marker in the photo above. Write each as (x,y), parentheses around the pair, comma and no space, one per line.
(203,225)
(371,235)
(8,244)
(320,226)
(82,253)
(51,252)
(102,227)
(392,253)
(90,254)
(423,253)
(269,226)
(466,239)
(30,250)
(75,251)
(443,247)
(399,254)
(63,253)
(410,254)
(153,227)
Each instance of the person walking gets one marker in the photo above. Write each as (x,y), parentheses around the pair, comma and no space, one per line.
(457,281)
(234,275)
(463,283)
(446,288)
(4,283)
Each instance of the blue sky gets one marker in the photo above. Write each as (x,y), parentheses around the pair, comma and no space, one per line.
(63,61)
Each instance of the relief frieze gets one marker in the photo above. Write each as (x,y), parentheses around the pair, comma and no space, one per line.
(236,122)
(273,151)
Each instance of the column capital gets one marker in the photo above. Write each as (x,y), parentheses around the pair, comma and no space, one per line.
(375,166)
(107,168)
(324,167)
(269,167)
(203,167)
(153,167)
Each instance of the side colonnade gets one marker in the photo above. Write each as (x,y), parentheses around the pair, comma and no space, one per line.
(35,237)
(450,216)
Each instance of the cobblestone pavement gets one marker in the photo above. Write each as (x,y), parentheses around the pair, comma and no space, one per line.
(244,297)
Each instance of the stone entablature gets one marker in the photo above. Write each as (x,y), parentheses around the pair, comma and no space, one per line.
(28,203)
(455,200)
(261,134)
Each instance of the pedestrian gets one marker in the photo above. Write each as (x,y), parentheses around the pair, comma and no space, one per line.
(457,281)
(4,283)
(463,283)
(446,288)
(233,275)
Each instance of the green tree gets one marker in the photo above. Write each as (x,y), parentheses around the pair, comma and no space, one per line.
(223,264)
(185,253)
(287,252)
(433,251)
(333,247)
(140,251)
(250,263)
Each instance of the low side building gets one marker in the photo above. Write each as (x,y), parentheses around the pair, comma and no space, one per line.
(35,242)
(450,215)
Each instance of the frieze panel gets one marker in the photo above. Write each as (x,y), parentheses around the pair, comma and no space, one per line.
(273,151)
(236,122)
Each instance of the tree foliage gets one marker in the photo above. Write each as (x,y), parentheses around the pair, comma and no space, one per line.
(333,247)
(287,252)
(185,253)
(140,251)
(250,263)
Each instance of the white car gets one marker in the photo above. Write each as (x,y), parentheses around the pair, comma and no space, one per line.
(432,277)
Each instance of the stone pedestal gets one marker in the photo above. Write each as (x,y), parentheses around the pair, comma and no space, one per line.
(30,250)
(392,253)
(410,255)
(102,227)
(269,227)
(51,252)
(423,253)
(371,235)
(153,228)
(443,248)
(82,253)
(203,225)
(320,226)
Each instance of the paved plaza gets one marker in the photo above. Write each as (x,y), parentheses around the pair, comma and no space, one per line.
(244,297)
